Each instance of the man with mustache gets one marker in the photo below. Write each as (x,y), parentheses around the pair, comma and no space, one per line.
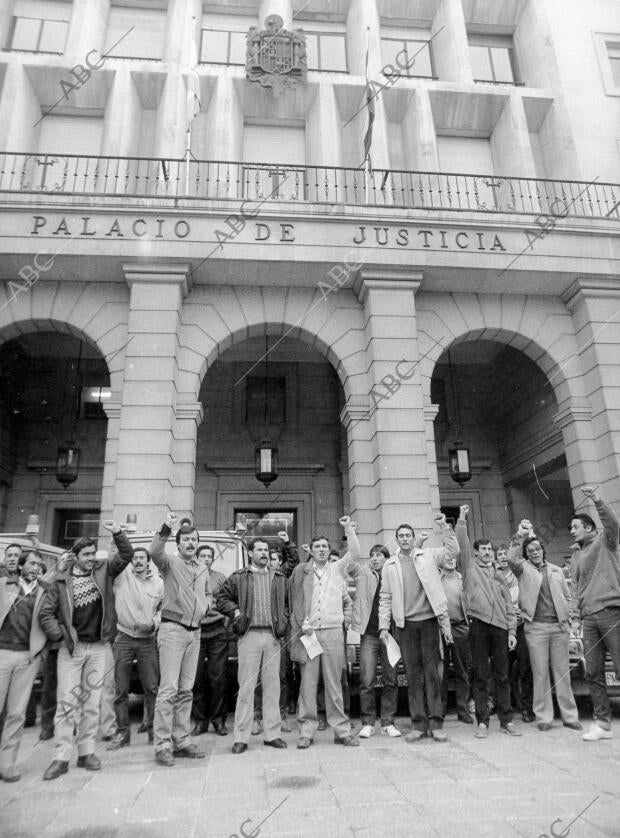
(184,605)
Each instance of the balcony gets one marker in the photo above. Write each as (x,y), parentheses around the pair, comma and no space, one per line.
(205,180)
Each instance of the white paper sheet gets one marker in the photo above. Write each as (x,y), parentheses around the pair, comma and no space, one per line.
(393,651)
(311,642)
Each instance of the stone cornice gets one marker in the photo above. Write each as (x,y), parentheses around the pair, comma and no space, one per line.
(384,279)
(356,408)
(572,412)
(159,273)
(586,287)
(192,410)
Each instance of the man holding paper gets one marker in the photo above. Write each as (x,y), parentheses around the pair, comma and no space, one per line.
(320,604)
(413,596)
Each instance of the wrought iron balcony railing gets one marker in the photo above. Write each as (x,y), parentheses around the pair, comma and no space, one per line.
(207,180)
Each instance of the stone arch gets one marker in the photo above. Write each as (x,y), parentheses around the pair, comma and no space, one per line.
(94,312)
(332,324)
(540,327)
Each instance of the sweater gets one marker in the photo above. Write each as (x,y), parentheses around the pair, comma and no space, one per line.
(487,596)
(596,566)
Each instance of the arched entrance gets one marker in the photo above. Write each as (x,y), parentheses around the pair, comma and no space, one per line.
(53,387)
(503,407)
(302,396)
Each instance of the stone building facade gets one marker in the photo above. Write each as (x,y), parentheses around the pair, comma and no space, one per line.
(468,283)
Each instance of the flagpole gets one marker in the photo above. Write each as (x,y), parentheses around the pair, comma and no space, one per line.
(370,108)
(188,151)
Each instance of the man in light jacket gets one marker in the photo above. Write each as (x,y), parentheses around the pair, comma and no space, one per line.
(596,580)
(413,596)
(545,603)
(178,639)
(138,591)
(22,642)
(492,627)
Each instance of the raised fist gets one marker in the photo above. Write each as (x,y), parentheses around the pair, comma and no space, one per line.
(283,535)
(171,519)
(345,521)
(525,528)
(464,511)
(440,518)
(111,526)
(589,492)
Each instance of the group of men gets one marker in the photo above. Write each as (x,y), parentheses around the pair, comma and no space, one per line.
(418,604)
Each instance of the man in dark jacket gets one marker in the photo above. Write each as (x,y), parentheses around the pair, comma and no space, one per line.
(255,597)
(78,609)
(596,581)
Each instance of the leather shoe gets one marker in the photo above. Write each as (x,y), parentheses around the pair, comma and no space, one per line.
(90,762)
(199,728)
(322,725)
(573,725)
(544,726)
(285,726)
(439,735)
(164,757)
(119,741)
(239,748)
(275,743)
(414,735)
(347,741)
(45,735)
(527,716)
(304,743)
(466,719)
(189,752)
(57,768)
(11,776)
(220,728)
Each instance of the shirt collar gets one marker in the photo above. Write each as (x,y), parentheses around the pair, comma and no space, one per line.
(260,570)
(28,587)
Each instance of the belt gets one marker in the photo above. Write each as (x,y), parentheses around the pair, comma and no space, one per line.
(187,628)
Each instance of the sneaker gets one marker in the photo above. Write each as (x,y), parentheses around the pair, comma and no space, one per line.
(482,731)
(510,729)
(120,740)
(597,732)
(390,730)
(367,731)
(257,727)
(304,743)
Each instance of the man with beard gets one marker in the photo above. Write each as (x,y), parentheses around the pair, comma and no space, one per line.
(596,581)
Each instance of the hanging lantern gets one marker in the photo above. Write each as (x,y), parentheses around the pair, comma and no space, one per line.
(266,469)
(460,468)
(67,463)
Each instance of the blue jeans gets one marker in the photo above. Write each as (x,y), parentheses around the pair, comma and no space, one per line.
(178,659)
(419,643)
(489,654)
(371,648)
(125,649)
(601,631)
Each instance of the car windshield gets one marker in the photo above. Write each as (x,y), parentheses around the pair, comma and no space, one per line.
(225,560)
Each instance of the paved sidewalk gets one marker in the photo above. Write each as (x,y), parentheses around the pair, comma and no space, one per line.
(502,787)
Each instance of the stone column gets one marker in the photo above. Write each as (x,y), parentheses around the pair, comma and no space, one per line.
(151,424)
(595,306)
(87,30)
(393,438)
(450,49)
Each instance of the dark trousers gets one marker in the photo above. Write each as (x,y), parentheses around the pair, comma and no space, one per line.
(371,649)
(489,652)
(209,701)
(285,661)
(520,670)
(419,643)
(48,691)
(601,631)
(458,653)
(125,650)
